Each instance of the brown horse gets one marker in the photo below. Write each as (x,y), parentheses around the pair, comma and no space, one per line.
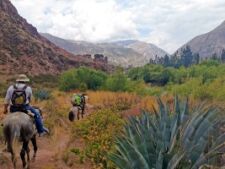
(20,126)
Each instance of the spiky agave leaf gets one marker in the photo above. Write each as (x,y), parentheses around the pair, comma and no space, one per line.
(129,152)
(164,140)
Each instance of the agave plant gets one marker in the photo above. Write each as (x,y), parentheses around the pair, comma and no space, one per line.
(42,94)
(170,139)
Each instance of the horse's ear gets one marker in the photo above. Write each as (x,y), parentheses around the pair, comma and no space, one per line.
(71,116)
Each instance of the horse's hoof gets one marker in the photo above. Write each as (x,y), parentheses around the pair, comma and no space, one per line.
(33,158)
(26,167)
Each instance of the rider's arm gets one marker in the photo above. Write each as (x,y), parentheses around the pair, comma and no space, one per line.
(29,94)
(6,108)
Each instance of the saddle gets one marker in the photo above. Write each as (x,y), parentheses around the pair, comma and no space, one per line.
(26,112)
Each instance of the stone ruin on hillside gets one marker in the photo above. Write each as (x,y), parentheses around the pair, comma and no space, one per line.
(101,58)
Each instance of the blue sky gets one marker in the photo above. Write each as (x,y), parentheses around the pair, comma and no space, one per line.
(166,23)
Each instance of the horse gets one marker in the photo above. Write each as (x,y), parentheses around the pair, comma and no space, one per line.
(78,109)
(20,126)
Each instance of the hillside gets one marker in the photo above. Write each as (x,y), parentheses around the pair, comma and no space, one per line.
(209,43)
(24,50)
(124,53)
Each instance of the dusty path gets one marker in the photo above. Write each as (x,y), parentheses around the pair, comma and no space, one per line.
(49,149)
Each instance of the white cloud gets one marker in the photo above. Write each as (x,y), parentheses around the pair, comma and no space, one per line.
(91,20)
(173,23)
(168,24)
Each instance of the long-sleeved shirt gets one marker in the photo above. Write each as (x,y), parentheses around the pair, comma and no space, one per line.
(11,89)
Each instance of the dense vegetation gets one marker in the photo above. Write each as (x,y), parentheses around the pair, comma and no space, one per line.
(82,78)
(86,78)
(184,57)
(204,81)
(98,130)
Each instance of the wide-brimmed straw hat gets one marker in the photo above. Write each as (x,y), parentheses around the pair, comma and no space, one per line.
(22,78)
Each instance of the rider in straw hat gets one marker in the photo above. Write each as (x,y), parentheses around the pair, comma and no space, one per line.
(18,98)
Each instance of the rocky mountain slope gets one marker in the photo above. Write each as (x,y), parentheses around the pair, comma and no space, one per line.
(124,53)
(24,50)
(210,43)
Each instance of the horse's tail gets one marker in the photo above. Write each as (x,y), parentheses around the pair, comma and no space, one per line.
(10,132)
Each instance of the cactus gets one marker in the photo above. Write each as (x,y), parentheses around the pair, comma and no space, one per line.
(165,139)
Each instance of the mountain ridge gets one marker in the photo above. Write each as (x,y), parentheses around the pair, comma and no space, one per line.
(123,53)
(208,44)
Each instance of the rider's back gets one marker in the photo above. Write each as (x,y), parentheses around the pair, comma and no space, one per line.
(20,87)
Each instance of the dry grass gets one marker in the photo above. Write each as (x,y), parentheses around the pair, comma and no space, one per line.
(120,101)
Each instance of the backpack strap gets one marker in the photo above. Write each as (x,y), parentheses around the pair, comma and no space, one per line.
(25,87)
(15,87)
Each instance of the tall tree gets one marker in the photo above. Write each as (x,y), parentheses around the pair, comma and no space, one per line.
(223,55)
(166,60)
(186,56)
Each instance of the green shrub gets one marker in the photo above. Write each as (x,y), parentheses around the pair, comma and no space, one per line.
(98,130)
(82,78)
(159,75)
(68,80)
(154,74)
(117,82)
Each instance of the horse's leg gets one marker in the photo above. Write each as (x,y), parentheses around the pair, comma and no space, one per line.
(78,114)
(23,153)
(82,112)
(13,156)
(14,159)
(28,155)
(34,143)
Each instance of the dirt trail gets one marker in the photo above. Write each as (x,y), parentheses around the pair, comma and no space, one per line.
(48,151)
